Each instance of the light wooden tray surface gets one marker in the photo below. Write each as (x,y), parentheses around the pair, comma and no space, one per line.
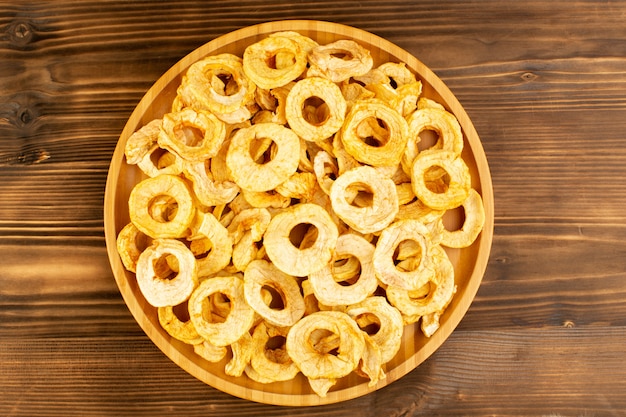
(470,263)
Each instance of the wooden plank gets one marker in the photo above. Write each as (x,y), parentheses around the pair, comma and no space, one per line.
(507,372)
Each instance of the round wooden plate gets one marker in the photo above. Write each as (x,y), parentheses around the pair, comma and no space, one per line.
(469,263)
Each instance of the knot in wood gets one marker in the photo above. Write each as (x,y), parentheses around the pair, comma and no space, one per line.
(529,76)
(21,32)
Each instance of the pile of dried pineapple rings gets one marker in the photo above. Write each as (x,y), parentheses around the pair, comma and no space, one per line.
(290,221)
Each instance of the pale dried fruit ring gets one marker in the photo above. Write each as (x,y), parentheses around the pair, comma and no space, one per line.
(387,143)
(438,294)
(176,197)
(253,176)
(442,164)
(328,112)
(210,236)
(472,225)
(239,319)
(326,170)
(192,135)
(209,191)
(443,123)
(175,327)
(260,61)
(375,210)
(316,362)
(330,292)
(142,142)
(260,274)
(388,242)
(164,281)
(217,84)
(398,72)
(270,364)
(130,243)
(291,259)
(387,319)
(340,60)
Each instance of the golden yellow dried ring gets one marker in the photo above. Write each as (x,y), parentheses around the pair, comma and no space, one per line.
(192,135)
(166,272)
(446,168)
(388,242)
(238,321)
(436,296)
(472,225)
(364,199)
(130,243)
(289,309)
(385,137)
(443,123)
(340,60)
(291,259)
(253,176)
(175,327)
(176,209)
(315,362)
(332,293)
(328,108)
(217,84)
(387,321)
(260,61)
(270,365)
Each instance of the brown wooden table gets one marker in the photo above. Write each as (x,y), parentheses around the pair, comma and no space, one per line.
(545,85)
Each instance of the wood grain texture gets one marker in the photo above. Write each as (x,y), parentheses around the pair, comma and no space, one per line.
(545,86)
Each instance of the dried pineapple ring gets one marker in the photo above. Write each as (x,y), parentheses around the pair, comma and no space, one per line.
(443,123)
(323,125)
(473,224)
(296,261)
(153,273)
(326,60)
(390,326)
(152,190)
(217,84)
(332,293)
(387,149)
(238,321)
(208,191)
(258,57)
(253,176)
(130,243)
(142,142)
(209,235)
(376,214)
(270,364)
(260,274)
(389,240)
(193,135)
(178,329)
(440,289)
(316,364)
(455,190)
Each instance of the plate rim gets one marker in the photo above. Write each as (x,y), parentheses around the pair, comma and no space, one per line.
(473,281)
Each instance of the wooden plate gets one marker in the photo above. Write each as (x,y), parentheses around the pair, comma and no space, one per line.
(469,263)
